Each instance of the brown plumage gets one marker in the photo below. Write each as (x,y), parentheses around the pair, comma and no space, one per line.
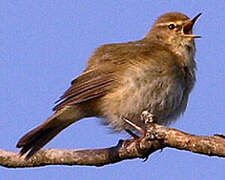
(155,74)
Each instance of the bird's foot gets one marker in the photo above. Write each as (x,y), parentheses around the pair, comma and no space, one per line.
(147,117)
(145,134)
(149,120)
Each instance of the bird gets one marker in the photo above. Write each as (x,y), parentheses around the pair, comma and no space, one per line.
(122,80)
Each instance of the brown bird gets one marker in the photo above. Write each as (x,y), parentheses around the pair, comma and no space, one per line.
(154,75)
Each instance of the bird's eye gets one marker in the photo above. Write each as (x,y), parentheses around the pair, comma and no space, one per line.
(171,26)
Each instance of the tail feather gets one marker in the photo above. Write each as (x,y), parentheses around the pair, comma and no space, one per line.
(38,137)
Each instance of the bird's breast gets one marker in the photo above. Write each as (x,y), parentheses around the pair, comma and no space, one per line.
(140,90)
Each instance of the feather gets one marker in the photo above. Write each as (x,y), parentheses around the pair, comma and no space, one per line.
(89,85)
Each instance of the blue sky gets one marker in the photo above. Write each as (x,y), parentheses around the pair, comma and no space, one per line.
(45,44)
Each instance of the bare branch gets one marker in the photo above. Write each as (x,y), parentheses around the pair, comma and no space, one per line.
(156,138)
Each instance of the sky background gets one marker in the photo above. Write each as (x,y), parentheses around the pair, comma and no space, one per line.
(45,44)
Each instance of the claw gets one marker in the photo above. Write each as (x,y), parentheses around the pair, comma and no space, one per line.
(147,117)
(146,158)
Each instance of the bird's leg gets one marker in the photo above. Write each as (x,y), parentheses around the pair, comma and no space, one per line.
(135,126)
(135,136)
(148,119)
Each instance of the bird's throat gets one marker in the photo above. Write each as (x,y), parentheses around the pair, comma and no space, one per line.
(186,52)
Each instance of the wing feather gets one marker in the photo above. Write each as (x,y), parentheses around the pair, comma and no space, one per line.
(89,85)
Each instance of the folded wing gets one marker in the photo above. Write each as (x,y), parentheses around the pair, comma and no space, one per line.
(89,85)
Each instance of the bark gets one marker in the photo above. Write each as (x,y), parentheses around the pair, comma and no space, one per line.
(156,137)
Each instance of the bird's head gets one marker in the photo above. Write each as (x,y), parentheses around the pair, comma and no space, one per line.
(174,29)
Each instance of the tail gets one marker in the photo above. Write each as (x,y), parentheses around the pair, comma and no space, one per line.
(41,135)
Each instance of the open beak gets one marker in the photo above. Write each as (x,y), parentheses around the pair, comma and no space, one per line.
(187,29)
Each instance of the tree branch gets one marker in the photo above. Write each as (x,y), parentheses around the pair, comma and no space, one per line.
(156,138)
